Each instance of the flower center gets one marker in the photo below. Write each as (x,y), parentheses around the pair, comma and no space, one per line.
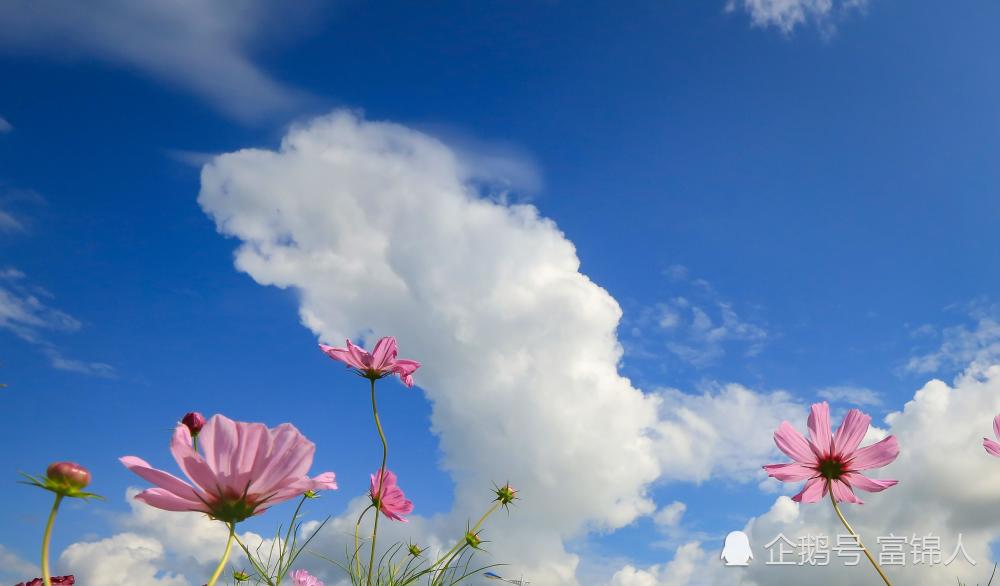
(831,468)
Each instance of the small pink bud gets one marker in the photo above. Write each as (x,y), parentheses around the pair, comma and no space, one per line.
(68,474)
(194,422)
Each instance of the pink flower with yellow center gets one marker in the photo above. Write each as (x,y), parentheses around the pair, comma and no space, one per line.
(246,468)
(381,362)
(828,461)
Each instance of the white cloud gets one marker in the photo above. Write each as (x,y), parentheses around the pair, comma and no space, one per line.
(689,563)
(723,433)
(786,15)
(4,125)
(122,560)
(379,229)
(977,343)
(203,47)
(948,486)
(670,515)
(851,395)
(13,569)
(24,311)
(699,327)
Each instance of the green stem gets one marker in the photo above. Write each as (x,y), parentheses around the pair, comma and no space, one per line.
(856,537)
(46,575)
(357,547)
(225,556)
(381,479)
(458,547)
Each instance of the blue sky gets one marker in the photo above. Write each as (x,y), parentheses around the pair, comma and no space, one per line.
(783,205)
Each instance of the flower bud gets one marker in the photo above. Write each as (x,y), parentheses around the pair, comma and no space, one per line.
(415,550)
(68,474)
(194,422)
(506,494)
(472,540)
(241,576)
(311,494)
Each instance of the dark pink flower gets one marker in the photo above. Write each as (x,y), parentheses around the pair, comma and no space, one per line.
(56,581)
(304,578)
(379,363)
(830,461)
(388,497)
(247,468)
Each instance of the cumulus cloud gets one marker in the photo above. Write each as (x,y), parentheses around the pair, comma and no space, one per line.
(204,47)
(948,487)
(25,311)
(381,230)
(670,515)
(786,15)
(725,432)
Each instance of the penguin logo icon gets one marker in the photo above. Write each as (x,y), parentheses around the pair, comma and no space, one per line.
(736,551)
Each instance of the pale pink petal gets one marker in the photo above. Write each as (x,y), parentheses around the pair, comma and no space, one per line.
(850,433)
(813,491)
(168,501)
(843,493)
(384,354)
(291,456)
(342,355)
(875,455)
(190,462)
(793,472)
(164,480)
(791,442)
(992,447)
(325,481)
(218,441)
(254,445)
(819,428)
(868,484)
(996,426)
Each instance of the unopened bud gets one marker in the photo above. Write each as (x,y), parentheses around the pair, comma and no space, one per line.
(194,421)
(241,576)
(311,494)
(473,540)
(69,475)
(506,494)
(415,550)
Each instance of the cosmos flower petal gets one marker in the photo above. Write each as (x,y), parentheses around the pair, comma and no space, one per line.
(813,491)
(851,431)
(359,355)
(875,455)
(389,497)
(793,472)
(341,355)
(868,484)
(164,480)
(992,447)
(843,493)
(996,426)
(384,353)
(168,501)
(791,442)
(819,428)
(190,462)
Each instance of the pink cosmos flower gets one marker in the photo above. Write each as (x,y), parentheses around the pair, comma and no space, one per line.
(832,461)
(56,581)
(992,447)
(246,468)
(388,497)
(303,578)
(380,363)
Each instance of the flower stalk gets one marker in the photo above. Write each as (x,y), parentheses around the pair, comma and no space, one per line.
(857,538)
(381,472)
(46,539)
(225,556)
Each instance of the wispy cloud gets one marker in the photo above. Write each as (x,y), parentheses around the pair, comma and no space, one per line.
(851,395)
(12,199)
(786,15)
(4,125)
(700,326)
(25,312)
(976,342)
(203,47)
